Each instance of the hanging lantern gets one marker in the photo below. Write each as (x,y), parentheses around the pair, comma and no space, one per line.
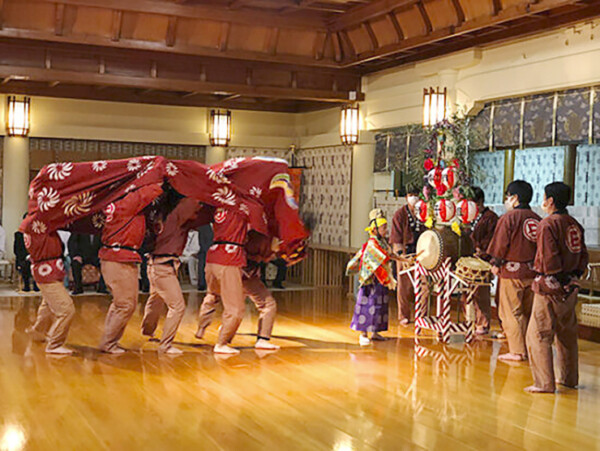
(349,125)
(17,116)
(421,210)
(467,211)
(434,106)
(220,128)
(449,178)
(445,210)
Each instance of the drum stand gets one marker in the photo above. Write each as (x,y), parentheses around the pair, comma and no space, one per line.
(445,282)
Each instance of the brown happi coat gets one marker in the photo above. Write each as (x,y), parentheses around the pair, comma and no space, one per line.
(513,245)
(405,229)
(561,255)
(483,231)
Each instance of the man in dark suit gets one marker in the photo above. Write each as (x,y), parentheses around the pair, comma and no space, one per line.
(22,262)
(83,250)
(205,238)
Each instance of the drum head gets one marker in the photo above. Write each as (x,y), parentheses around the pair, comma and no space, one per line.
(473,263)
(429,246)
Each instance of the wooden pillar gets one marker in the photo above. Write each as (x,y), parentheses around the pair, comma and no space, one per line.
(509,167)
(570,166)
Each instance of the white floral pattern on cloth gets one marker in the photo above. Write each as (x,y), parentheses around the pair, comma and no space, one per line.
(244,209)
(231,248)
(172,169)
(31,192)
(47,198)
(59,171)
(60,265)
(232,164)
(147,169)
(79,204)
(27,240)
(220,215)
(38,227)
(99,166)
(217,177)
(134,165)
(225,196)
(130,188)
(255,191)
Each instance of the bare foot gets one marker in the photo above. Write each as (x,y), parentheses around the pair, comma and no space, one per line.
(61,350)
(512,357)
(574,387)
(404,322)
(481,331)
(116,350)
(266,345)
(224,349)
(534,389)
(171,350)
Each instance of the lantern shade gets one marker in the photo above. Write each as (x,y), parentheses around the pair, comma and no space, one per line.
(17,116)
(434,106)
(220,128)
(349,125)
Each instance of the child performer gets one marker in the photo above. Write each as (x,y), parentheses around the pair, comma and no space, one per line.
(372,264)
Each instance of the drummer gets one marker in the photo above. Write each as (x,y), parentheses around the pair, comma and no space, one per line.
(405,232)
(482,231)
(512,250)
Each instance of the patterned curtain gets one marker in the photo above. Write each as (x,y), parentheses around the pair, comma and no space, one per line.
(325,198)
(573,115)
(537,119)
(507,123)
(480,125)
(587,176)
(539,167)
(488,174)
(390,150)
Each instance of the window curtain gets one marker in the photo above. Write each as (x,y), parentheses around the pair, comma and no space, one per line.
(587,176)
(488,174)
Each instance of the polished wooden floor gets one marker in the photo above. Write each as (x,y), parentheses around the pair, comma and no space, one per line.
(320,391)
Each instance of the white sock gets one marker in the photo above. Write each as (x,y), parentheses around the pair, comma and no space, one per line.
(265,344)
(225,349)
(60,350)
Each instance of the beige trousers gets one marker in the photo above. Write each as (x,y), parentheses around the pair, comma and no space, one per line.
(55,314)
(164,289)
(514,309)
(225,283)
(261,297)
(122,280)
(553,321)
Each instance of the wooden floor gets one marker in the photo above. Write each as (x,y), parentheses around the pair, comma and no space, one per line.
(320,391)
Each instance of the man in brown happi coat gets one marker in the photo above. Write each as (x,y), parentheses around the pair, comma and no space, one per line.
(512,250)
(560,260)
(482,231)
(405,232)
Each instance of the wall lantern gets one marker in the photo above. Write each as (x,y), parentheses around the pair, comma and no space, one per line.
(17,116)
(434,106)
(349,125)
(220,128)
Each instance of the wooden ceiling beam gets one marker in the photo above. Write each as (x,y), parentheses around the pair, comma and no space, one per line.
(460,12)
(224,39)
(425,17)
(59,19)
(369,11)
(272,41)
(164,84)
(171,36)
(320,45)
(117,24)
(397,28)
(369,29)
(178,48)
(505,15)
(206,12)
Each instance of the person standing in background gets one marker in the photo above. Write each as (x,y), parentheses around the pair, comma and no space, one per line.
(205,238)
(190,256)
(405,232)
(22,261)
(64,236)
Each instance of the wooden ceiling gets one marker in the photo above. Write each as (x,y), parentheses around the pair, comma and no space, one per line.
(279,55)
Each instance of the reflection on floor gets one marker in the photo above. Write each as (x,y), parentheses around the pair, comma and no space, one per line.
(320,391)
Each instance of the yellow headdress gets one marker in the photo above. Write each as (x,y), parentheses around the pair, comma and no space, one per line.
(376,219)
